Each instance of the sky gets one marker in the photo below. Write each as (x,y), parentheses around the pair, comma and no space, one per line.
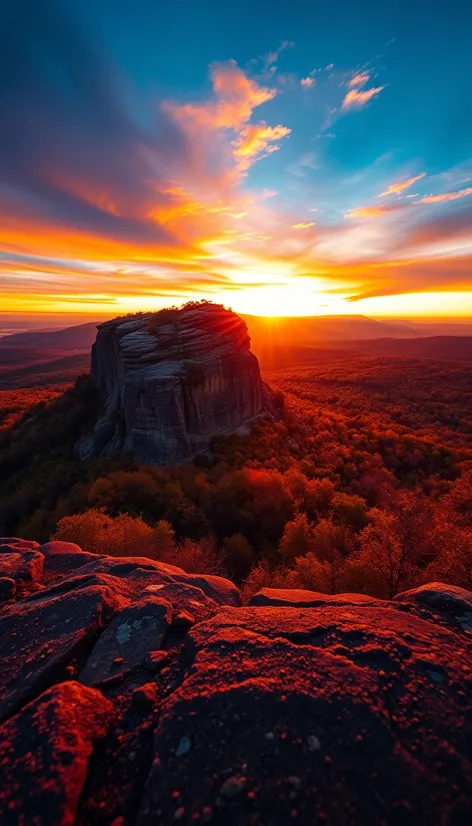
(284,158)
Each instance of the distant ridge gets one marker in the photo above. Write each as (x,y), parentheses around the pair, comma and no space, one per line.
(349,327)
(79,337)
(287,330)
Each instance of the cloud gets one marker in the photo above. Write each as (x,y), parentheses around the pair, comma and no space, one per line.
(413,276)
(398,188)
(359,79)
(441,230)
(445,196)
(235,96)
(272,57)
(308,82)
(306,161)
(355,98)
(374,211)
(89,170)
(72,159)
(107,192)
(255,141)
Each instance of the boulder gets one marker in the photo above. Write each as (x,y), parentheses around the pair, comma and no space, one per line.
(299,598)
(24,566)
(9,544)
(139,568)
(338,714)
(183,597)
(447,601)
(7,589)
(118,586)
(44,753)
(219,589)
(64,565)
(140,572)
(60,558)
(171,381)
(40,637)
(124,645)
(298,708)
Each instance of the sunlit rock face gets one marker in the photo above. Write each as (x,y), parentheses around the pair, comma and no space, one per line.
(171,381)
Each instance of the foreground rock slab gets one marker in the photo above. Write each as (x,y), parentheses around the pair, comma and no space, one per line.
(339,715)
(125,644)
(39,637)
(308,708)
(300,598)
(44,753)
(24,566)
(447,601)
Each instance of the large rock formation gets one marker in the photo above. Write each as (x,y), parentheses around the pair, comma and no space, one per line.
(133,694)
(170,381)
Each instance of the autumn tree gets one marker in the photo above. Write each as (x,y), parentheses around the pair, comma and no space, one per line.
(196,556)
(238,555)
(332,544)
(311,573)
(297,539)
(393,546)
(99,533)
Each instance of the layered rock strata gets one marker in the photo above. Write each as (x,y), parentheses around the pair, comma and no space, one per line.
(171,381)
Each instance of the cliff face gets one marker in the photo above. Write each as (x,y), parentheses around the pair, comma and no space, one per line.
(171,381)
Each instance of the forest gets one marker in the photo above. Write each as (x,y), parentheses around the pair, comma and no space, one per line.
(361,481)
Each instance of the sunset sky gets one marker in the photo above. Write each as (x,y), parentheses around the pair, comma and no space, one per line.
(285,158)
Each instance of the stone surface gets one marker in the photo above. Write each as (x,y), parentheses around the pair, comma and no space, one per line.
(298,598)
(339,715)
(219,589)
(132,633)
(155,660)
(40,637)
(184,599)
(9,544)
(116,585)
(171,381)
(7,589)
(309,709)
(44,753)
(140,572)
(448,601)
(23,566)
(60,558)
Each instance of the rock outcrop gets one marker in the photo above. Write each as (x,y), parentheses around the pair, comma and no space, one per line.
(135,694)
(171,381)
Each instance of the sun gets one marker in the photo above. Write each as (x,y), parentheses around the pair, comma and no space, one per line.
(300,297)
(279,300)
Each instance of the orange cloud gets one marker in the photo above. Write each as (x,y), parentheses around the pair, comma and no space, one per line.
(307,82)
(356,98)
(398,188)
(359,79)
(446,196)
(255,141)
(303,226)
(366,212)
(235,96)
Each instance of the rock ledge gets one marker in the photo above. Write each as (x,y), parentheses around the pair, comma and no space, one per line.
(300,708)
